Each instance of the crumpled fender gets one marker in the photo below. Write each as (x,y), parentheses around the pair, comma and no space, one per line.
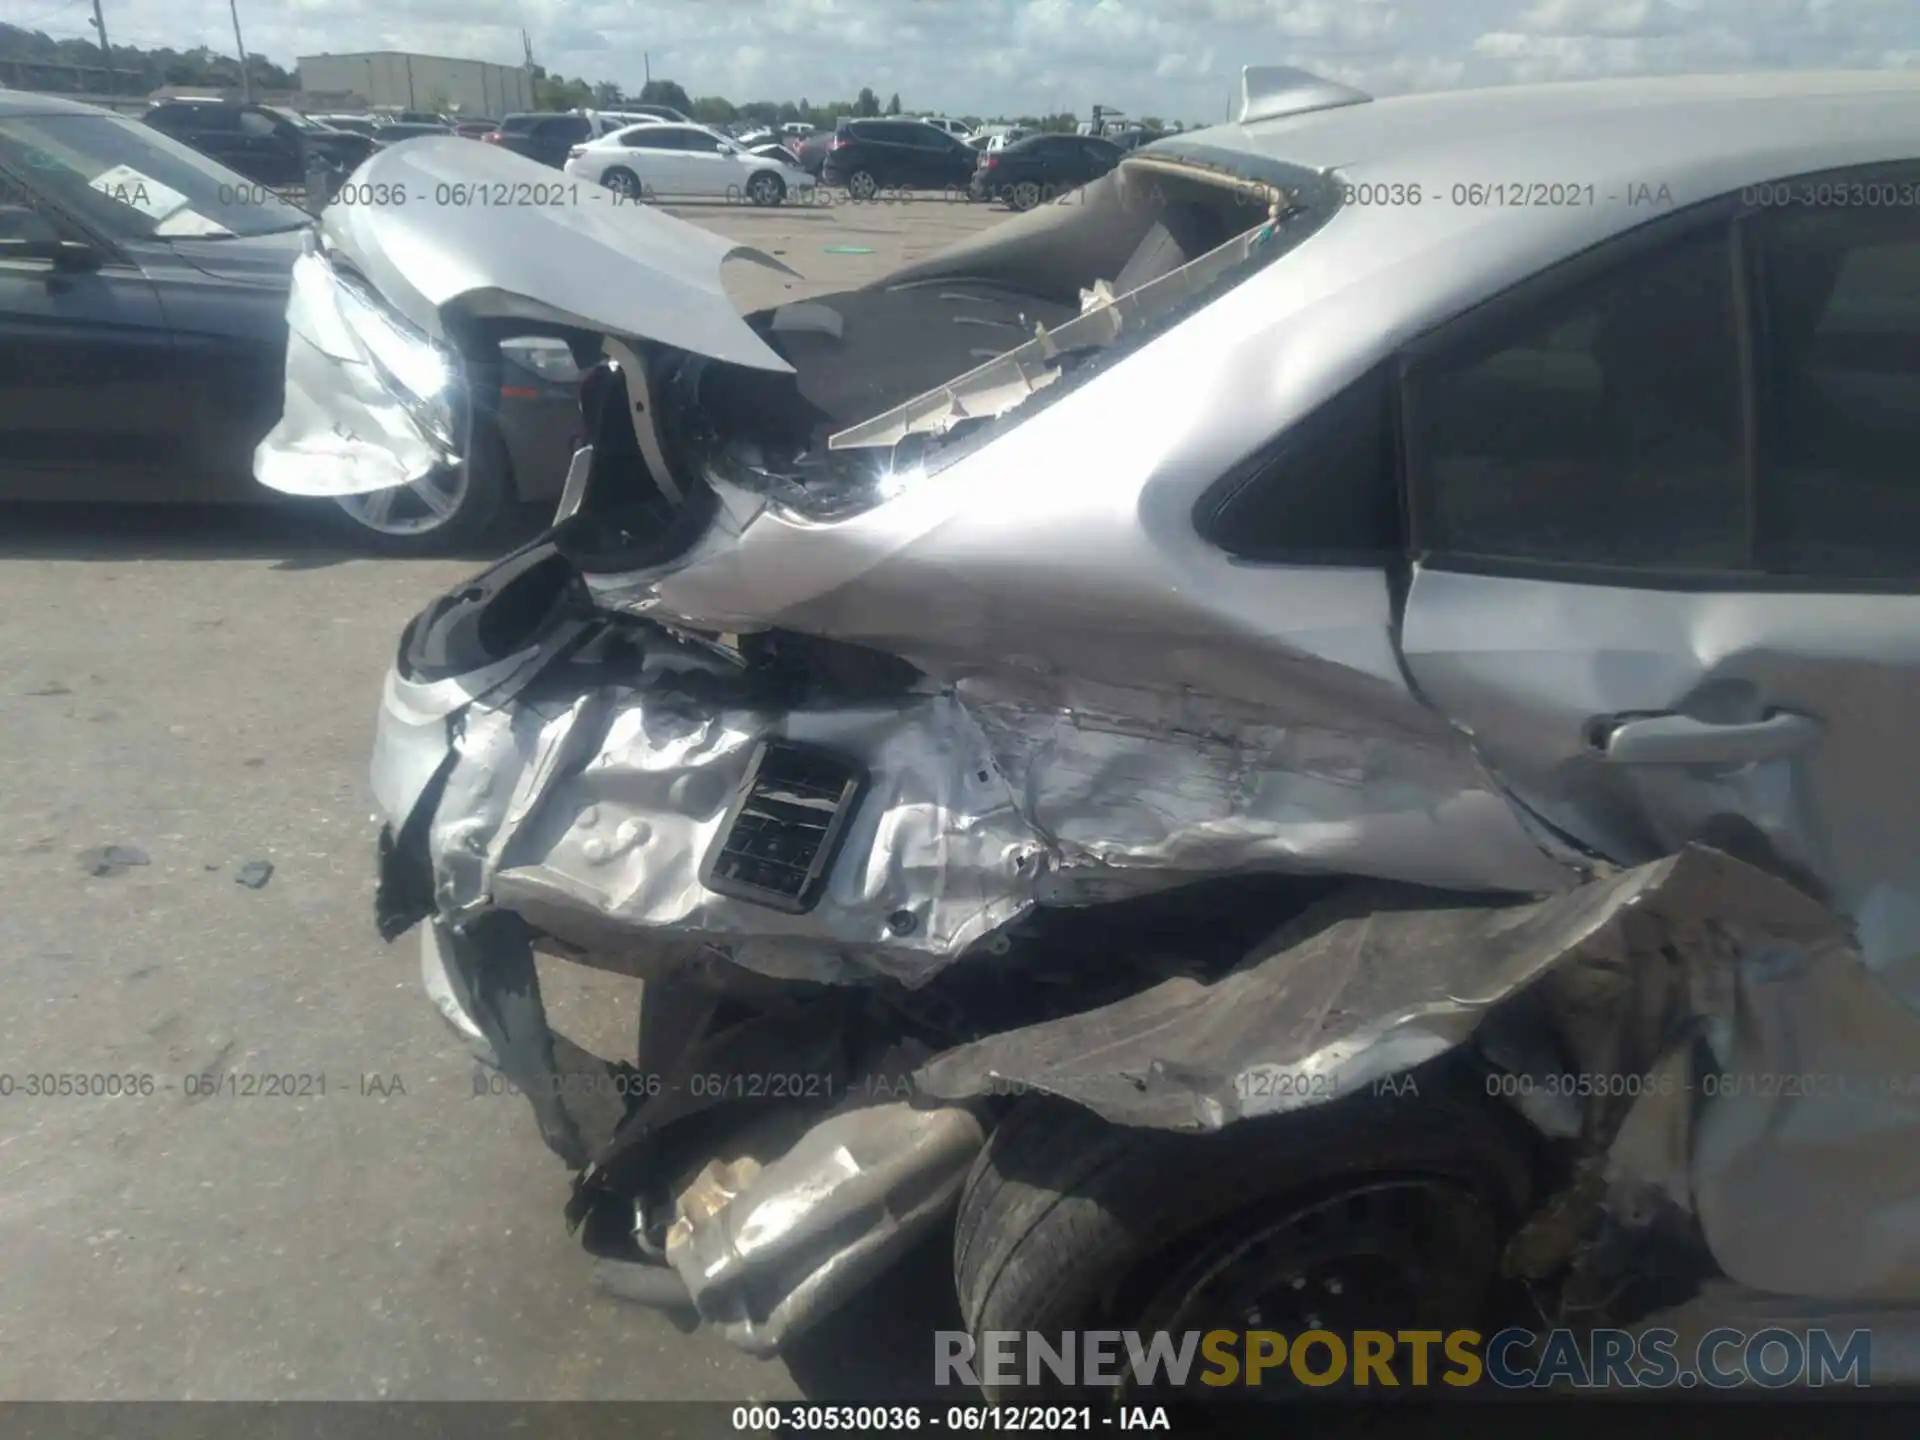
(1369,984)
(1703,1031)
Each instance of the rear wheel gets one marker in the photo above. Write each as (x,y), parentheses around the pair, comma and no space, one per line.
(1370,1213)
(1025,195)
(861,185)
(766,188)
(623,182)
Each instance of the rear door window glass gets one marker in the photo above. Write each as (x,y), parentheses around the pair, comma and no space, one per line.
(1840,376)
(1600,426)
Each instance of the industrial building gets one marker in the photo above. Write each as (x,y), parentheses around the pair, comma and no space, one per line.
(393,80)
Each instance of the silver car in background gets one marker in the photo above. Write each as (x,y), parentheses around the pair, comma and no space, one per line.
(1356,764)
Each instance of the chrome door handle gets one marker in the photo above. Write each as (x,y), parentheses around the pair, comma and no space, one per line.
(1682,740)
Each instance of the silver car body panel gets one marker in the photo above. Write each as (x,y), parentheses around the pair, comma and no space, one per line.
(342,429)
(1152,709)
(987,798)
(1112,706)
(1530,666)
(415,729)
(498,235)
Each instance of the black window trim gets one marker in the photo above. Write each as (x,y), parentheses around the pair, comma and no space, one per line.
(1210,510)
(114,251)
(1731,215)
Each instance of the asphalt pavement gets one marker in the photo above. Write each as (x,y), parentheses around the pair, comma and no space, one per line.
(240,1156)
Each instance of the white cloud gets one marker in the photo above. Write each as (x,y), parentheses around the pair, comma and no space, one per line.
(1609,18)
(1003,57)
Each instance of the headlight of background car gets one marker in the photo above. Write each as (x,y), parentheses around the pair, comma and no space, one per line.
(548,358)
(416,371)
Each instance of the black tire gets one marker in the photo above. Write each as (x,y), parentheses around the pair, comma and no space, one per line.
(1025,195)
(485,505)
(862,186)
(766,188)
(1068,1223)
(624,183)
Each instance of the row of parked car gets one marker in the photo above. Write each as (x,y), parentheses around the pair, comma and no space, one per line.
(277,146)
(655,150)
(143,333)
(153,252)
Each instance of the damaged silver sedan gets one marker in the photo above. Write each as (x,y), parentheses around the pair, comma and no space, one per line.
(1317,735)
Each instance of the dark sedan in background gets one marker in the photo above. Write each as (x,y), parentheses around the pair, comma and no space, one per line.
(264,143)
(1039,168)
(812,152)
(868,156)
(1127,141)
(143,299)
(406,130)
(543,137)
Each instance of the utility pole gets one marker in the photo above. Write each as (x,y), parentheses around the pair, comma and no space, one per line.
(100,24)
(246,80)
(646,60)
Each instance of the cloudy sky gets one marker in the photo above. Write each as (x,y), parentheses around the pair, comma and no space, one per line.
(1175,58)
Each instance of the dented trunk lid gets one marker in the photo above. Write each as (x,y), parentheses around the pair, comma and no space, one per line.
(495,235)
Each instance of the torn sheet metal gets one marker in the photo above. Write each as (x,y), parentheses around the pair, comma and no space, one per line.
(345,428)
(500,236)
(603,800)
(608,805)
(413,741)
(1794,1138)
(1137,789)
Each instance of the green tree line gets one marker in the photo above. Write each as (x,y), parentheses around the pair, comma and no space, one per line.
(148,70)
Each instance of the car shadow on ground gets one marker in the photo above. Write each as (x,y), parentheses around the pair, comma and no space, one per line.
(293,536)
(879,1347)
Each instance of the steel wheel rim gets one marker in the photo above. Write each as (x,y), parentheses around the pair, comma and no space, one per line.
(419,508)
(761,190)
(1390,1254)
(1026,194)
(861,186)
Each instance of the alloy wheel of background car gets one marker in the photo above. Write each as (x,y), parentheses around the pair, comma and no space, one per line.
(623,182)
(766,188)
(443,512)
(1341,1211)
(862,186)
(1025,195)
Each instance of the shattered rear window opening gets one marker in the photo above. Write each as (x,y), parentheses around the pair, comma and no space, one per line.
(1201,223)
